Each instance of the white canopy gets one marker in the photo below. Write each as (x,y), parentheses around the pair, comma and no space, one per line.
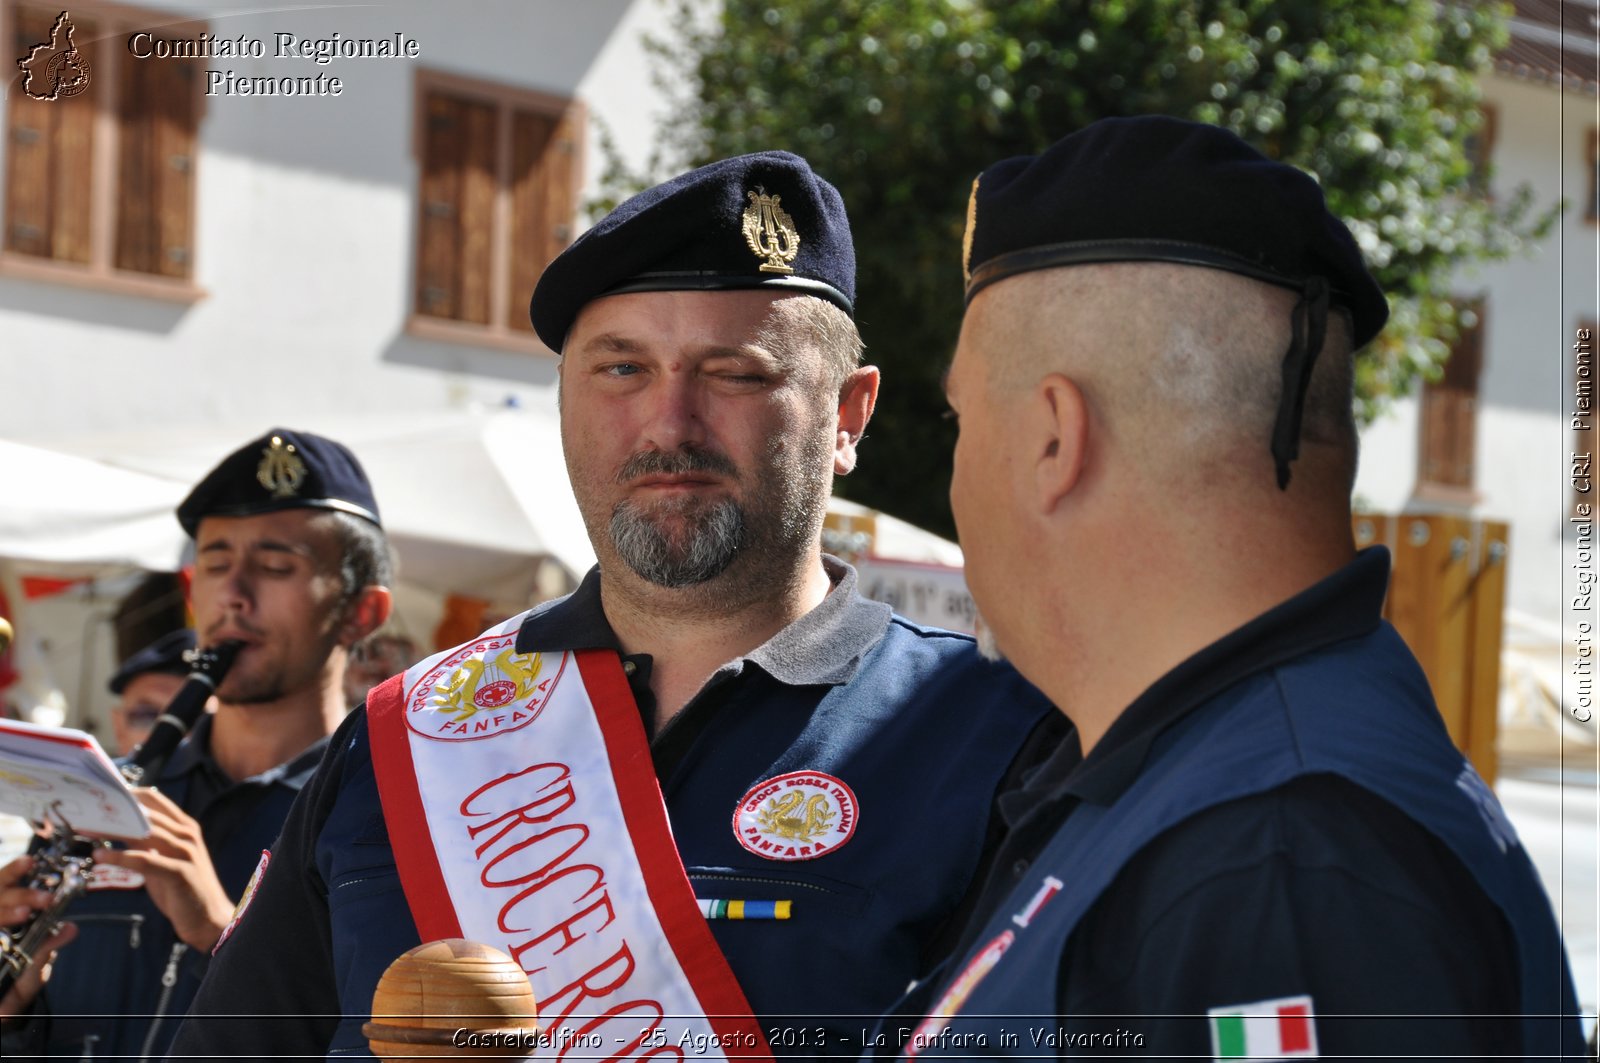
(67,511)
(71,517)
(468,499)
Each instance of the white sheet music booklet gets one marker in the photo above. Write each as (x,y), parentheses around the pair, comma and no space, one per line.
(61,776)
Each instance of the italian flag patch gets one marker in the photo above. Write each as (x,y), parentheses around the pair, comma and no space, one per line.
(1267,1029)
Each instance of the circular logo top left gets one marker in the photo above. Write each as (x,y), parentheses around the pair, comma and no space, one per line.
(483,689)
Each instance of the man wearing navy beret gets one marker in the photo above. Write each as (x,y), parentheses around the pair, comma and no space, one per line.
(144,684)
(714,803)
(1260,840)
(292,563)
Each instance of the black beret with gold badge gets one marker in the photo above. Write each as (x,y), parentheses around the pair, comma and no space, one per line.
(754,221)
(284,469)
(1159,189)
(166,655)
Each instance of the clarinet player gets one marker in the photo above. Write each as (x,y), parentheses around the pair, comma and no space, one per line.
(292,563)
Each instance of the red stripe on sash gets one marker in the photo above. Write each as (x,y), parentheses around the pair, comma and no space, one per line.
(416,861)
(671,894)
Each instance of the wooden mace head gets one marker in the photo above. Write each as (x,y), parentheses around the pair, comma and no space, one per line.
(452,997)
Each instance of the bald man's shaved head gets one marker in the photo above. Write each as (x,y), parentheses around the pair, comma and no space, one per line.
(1181,364)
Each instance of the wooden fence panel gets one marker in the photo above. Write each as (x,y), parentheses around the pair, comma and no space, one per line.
(1447,600)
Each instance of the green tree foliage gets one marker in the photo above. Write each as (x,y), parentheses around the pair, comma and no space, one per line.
(900,103)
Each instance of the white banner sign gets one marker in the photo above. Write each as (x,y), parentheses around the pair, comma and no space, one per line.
(930,594)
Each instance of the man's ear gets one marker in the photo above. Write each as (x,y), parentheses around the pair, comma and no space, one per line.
(857,398)
(365,615)
(1059,439)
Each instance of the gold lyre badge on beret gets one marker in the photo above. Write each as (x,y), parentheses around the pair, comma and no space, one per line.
(770,232)
(966,237)
(281,470)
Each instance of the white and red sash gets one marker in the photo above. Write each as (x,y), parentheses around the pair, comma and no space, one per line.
(524,812)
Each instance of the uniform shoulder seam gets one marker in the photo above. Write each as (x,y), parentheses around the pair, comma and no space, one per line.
(928,632)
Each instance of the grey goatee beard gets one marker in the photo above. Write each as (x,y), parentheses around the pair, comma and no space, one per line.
(717,535)
(715,532)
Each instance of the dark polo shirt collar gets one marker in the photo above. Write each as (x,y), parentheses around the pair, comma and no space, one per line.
(823,647)
(207,781)
(196,752)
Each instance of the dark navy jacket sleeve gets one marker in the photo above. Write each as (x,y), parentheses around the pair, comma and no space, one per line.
(270,990)
(1288,895)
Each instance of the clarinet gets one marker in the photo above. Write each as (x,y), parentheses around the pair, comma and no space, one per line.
(63,866)
(206,669)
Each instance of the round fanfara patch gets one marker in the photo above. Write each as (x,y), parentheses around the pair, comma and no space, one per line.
(483,689)
(798,816)
(929,1030)
(244,901)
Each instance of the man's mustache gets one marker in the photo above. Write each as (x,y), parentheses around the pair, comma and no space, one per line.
(675,463)
(236,625)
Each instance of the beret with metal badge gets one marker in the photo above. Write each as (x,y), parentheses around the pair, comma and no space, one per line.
(165,655)
(284,469)
(1159,189)
(754,221)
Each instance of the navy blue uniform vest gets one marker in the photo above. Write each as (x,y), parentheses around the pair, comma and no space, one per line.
(1360,709)
(123,985)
